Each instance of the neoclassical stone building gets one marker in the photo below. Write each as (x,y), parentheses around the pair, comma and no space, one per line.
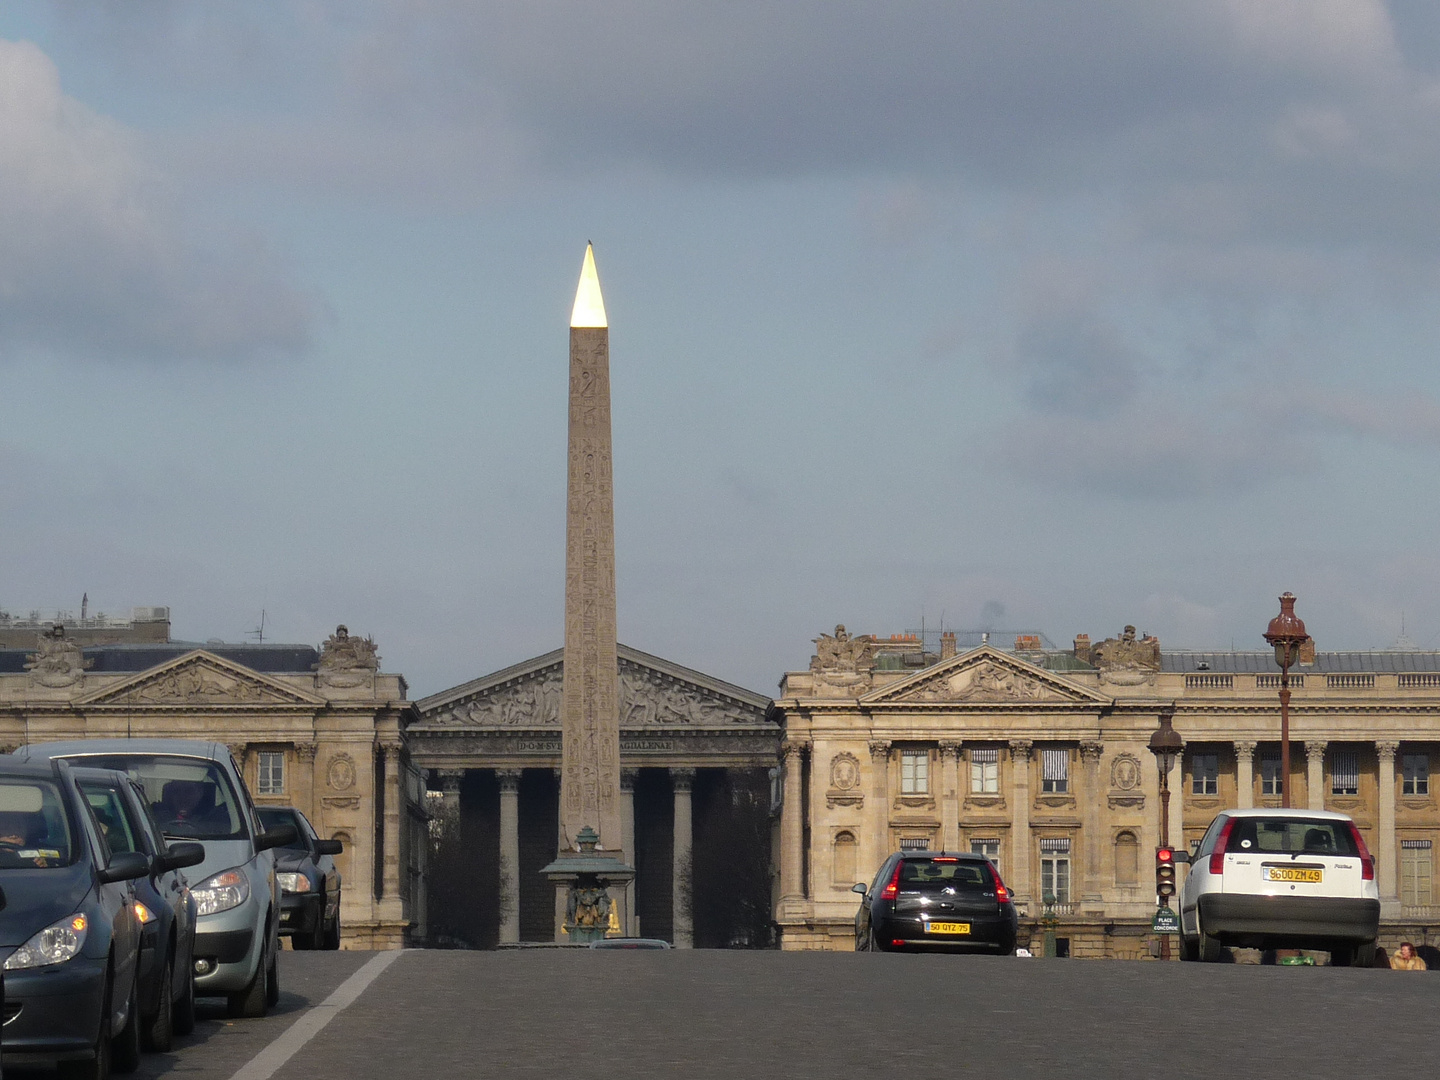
(696,755)
(1038,757)
(322,730)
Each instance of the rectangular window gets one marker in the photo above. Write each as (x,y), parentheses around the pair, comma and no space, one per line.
(914,772)
(1205,774)
(1344,773)
(1270,783)
(1055,869)
(1417,873)
(271,780)
(1055,771)
(914,843)
(985,772)
(989,848)
(1416,774)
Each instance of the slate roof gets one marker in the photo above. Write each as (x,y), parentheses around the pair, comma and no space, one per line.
(1389,661)
(110,659)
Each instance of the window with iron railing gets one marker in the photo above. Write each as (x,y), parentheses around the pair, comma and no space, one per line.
(985,771)
(1270,782)
(914,772)
(270,779)
(1417,873)
(1055,869)
(1344,772)
(1055,771)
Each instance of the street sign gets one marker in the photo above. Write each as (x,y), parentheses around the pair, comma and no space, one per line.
(1166,921)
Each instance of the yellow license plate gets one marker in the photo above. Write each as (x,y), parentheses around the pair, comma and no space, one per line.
(947,928)
(1285,873)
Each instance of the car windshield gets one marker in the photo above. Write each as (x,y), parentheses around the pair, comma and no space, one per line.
(190,797)
(1291,836)
(34,828)
(271,817)
(927,875)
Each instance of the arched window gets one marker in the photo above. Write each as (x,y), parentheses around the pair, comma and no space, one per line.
(844,859)
(1127,859)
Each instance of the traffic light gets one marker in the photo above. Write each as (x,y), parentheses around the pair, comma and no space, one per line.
(1164,874)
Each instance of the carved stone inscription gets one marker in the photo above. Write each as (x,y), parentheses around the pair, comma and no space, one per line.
(589,698)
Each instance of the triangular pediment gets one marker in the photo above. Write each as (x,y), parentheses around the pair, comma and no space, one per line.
(653,693)
(984,676)
(200,678)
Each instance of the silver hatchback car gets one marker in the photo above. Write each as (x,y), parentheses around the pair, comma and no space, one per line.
(197,793)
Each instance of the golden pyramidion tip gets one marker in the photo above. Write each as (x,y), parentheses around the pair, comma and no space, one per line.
(589,307)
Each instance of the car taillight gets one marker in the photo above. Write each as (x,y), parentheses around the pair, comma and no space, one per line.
(1002,894)
(1217,856)
(892,890)
(1367,863)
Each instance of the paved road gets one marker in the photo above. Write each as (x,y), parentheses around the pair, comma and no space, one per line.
(727,1015)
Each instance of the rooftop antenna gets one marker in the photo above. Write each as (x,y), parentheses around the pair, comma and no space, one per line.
(85,610)
(259,632)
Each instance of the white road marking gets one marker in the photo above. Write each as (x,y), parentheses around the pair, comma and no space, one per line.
(267,1062)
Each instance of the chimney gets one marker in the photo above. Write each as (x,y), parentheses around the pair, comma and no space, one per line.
(947,644)
(1082,647)
(1307,651)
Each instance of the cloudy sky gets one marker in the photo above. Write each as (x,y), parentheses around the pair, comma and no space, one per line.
(1023,315)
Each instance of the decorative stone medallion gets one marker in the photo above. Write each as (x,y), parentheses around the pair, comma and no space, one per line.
(341,774)
(1125,772)
(845,772)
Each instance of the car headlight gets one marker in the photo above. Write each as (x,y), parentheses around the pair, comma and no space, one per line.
(221,892)
(53,945)
(293,883)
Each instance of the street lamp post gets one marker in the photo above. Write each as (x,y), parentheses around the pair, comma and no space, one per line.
(1286,634)
(1165,744)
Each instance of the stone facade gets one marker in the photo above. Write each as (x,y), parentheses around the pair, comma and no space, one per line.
(1039,758)
(323,731)
(694,801)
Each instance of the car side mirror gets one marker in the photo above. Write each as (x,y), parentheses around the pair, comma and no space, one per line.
(276,837)
(127,866)
(329,847)
(858,887)
(182,854)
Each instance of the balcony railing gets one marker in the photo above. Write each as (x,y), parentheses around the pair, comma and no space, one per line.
(1272,681)
(1420,911)
(1350,682)
(1209,682)
(1420,680)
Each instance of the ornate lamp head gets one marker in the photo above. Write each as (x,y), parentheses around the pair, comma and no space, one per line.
(1287,632)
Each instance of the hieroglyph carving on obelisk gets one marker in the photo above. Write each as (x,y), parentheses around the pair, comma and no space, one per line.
(589,703)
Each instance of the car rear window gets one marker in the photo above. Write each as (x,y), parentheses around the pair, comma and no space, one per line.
(190,797)
(1291,836)
(34,828)
(922,875)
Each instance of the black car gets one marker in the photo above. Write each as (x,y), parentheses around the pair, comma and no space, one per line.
(929,900)
(163,904)
(309,881)
(68,932)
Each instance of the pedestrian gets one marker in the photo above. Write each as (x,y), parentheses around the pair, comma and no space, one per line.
(1406,959)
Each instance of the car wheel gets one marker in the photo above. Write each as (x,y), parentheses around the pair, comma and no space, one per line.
(1361,955)
(272,979)
(332,935)
(1208,947)
(312,939)
(252,1000)
(159,1036)
(125,1047)
(98,1066)
(1189,948)
(184,1022)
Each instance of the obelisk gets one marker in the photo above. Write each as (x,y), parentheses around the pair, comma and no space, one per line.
(589,709)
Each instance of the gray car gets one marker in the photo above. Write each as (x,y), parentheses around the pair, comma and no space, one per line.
(196,792)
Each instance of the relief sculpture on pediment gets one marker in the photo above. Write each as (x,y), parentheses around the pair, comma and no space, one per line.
(991,682)
(195,683)
(648,697)
(531,703)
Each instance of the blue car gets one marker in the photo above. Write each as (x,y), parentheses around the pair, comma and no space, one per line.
(69,933)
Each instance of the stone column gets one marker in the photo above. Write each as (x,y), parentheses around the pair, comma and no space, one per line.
(1387,869)
(879,802)
(792,824)
(391,904)
(681,781)
(950,795)
(1090,797)
(1244,774)
(1315,775)
(449,781)
(509,855)
(1019,855)
(303,791)
(630,924)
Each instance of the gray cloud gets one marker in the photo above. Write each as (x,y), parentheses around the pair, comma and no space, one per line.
(94,258)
